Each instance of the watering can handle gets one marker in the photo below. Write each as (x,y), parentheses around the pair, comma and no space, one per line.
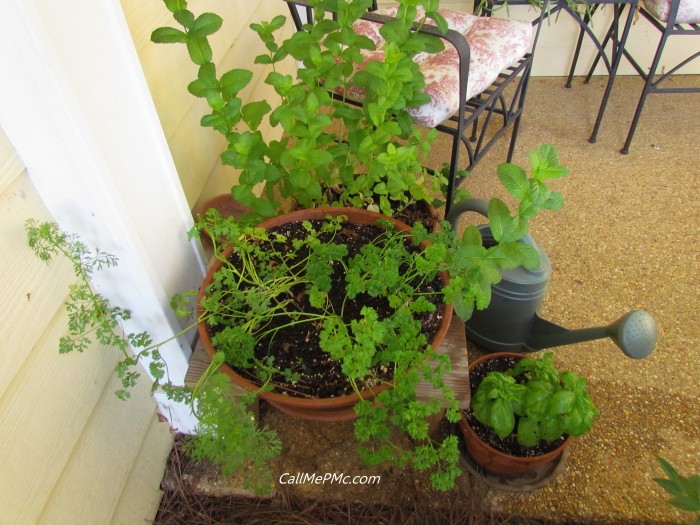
(456,210)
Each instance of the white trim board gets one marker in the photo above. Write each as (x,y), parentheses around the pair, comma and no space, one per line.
(75,105)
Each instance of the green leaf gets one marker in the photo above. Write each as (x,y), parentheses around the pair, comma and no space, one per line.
(525,254)
(205,24)
(277,22)
(300,178)
(428,43)
(199,50)
(462,308)
(668,469)
(438,19)
(233,81)
(175,5)
(263,207)
(181,303)
(499,216)
(281,83)
(168,35)
(685,490)
(157,370)
(263,59)
(213,120)
(686,503)
(514,179)
(185,18)
(201,89)
(555,201)
(669,486)
(505,228)
(207,74)
(561,402)
(502,418)
(545,164)
(253,113)
(552,428)
(528,432)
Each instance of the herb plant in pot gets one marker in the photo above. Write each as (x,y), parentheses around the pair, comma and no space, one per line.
(334,314)
(320,308)
(389,267)
(523,413)
(330,152)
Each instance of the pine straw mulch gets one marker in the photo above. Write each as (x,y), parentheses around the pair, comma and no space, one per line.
(185,502)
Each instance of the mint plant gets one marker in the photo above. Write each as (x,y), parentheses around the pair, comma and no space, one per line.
(685,491)
(331,152)
(227,433)
(535,401)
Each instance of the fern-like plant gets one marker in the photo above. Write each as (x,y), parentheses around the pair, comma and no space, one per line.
(227,433)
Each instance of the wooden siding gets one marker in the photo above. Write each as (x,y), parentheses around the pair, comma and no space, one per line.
(70,451)
(168,70)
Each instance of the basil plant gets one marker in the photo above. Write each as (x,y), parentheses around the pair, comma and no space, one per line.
(535,401)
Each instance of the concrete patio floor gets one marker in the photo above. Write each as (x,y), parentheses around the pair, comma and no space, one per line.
(627,238)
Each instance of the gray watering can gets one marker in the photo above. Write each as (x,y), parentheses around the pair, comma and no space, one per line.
(511,322)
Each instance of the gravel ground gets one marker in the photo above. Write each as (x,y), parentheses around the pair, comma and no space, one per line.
(627,238)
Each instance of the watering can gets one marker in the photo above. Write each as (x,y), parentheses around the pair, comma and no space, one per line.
(511,322)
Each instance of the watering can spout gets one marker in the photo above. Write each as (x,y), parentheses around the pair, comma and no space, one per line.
(635,333)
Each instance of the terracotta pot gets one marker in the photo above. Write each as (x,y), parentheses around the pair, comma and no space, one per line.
(320,409)
(499,463)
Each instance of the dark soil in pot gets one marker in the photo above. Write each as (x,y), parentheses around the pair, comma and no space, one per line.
(296,348)
(508,445)
(418,211)
(421,212)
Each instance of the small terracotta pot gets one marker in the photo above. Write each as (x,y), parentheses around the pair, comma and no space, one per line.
(339,408)
(499,463)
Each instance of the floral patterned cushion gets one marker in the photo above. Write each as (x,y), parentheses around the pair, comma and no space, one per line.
(494,43)
(688,10)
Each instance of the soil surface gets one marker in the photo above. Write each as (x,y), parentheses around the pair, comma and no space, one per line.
(295,347)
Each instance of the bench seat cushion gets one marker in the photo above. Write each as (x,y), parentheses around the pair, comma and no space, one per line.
(495,44)
(688,10)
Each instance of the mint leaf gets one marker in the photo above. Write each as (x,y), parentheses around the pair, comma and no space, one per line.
(168,35)
(513,178)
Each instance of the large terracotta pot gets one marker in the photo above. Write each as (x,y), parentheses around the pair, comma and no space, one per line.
(499,463)
(326,409)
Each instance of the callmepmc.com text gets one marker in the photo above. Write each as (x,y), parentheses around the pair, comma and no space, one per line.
(302,478)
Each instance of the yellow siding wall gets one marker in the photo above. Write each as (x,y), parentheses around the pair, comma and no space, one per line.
(70,451)
(168,70)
